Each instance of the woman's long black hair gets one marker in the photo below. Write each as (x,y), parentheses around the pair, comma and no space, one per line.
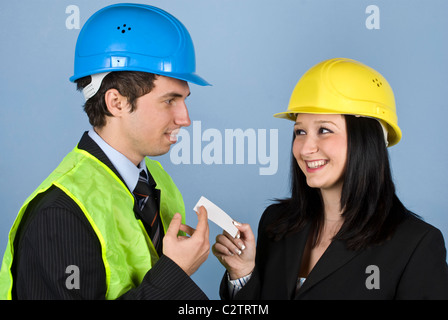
(371,209)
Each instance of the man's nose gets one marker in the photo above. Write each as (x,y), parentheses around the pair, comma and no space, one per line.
(182,118)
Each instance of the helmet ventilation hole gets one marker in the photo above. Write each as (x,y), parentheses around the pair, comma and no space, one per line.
(123,28)
(377,82)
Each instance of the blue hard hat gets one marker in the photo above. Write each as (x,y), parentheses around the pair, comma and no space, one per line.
(135,37)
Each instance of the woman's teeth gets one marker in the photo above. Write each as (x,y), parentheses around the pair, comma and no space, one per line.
(316,164)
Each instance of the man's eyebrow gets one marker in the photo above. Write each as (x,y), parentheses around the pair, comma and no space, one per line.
(174,95)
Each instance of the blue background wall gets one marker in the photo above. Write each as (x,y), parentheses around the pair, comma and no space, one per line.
(253,52)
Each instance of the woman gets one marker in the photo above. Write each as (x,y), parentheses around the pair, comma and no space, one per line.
(343,233)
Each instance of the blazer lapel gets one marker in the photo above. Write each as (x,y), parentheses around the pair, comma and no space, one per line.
(336,256)
(295,247)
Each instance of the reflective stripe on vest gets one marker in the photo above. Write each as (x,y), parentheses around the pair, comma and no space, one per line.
(126,249)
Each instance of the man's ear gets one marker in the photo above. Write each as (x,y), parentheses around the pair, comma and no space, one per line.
(115,102)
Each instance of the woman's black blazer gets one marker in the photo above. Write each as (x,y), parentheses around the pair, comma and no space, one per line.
(411,265)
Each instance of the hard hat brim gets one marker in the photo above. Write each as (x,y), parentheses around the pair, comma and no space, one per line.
(190,77)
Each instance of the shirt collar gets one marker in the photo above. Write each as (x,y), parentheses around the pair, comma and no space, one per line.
(128,171)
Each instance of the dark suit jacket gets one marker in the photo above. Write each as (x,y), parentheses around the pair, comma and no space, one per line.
(55,233)
(411,265)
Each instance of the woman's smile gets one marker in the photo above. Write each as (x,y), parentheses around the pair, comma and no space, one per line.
(314,165)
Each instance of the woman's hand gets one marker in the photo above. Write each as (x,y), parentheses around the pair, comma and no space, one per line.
(237,255)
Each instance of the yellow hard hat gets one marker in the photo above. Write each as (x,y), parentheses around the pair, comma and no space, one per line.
(345,86)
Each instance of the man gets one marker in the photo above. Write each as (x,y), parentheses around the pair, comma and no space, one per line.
(108,222)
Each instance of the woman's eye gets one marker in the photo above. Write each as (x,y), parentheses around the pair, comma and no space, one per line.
(299,132)
(324,130)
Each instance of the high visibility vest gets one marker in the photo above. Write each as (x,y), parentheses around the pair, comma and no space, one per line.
(126,249)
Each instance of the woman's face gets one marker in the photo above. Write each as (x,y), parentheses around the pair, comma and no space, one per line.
(320,148)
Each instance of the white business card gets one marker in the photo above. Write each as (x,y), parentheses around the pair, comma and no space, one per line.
(217,215)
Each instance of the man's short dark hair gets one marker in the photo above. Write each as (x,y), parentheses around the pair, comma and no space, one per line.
(130,84)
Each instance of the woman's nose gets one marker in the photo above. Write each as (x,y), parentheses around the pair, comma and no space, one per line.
(309,146)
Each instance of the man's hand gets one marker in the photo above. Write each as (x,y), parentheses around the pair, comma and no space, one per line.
(188,252)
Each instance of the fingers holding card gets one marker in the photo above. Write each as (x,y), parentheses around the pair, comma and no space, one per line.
(217,215)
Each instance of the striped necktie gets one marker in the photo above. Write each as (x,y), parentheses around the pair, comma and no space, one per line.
(148,209)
